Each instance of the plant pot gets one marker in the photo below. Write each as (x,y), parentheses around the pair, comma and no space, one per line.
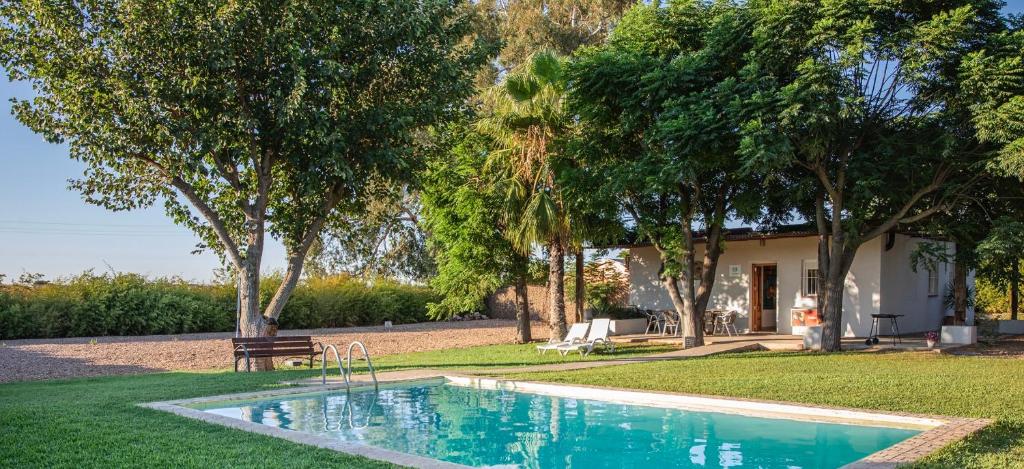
(930,343)
(812,338)
(1011,327)
(962,335)
(628,326)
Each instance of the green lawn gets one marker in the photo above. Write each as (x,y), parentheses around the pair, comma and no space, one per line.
(500,356)
(909,382)
(95,423)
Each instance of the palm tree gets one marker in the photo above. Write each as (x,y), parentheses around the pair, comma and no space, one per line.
(525,119)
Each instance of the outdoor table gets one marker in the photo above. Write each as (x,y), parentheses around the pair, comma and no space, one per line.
(875,328)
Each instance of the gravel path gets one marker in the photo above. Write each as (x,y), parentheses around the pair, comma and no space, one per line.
(33,359)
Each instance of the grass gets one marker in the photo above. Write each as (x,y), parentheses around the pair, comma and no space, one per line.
(908,382)
(95,423)
(500,356)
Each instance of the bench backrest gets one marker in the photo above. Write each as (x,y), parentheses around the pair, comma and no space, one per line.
(274,346)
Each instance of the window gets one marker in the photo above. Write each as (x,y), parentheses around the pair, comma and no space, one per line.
(809,278)
(933,282)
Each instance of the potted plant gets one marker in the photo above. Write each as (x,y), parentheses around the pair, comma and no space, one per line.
(931,338)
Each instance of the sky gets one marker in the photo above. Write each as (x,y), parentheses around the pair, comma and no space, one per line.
(46,228)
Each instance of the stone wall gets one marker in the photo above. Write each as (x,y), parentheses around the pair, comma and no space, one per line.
(502,304)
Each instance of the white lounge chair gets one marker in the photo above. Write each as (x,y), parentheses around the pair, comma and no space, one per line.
(598,335)
(575,335)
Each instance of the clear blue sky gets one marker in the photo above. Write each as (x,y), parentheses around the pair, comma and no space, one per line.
(46,228)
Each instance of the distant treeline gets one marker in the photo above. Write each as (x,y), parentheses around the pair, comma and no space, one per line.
(130,304)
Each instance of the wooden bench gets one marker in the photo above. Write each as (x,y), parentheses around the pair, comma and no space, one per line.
(297,346)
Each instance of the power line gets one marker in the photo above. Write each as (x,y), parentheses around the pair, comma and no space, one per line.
(92,233)
(27,222)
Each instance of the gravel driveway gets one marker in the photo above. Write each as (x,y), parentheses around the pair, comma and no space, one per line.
(33,359)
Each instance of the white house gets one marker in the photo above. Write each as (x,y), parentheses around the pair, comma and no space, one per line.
(770,280)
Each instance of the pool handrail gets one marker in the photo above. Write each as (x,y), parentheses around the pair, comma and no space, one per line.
(366,355)
(337,358)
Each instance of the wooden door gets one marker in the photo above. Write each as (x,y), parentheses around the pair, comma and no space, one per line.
(756,306)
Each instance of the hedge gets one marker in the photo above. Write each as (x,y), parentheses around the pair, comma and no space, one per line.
(130,304)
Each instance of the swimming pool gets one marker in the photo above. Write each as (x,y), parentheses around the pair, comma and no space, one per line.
(494,423)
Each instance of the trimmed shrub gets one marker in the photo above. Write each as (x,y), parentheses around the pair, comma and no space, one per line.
(130,304)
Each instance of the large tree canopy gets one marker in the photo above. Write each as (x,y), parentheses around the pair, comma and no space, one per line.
(867,109)
(243,117)
(659,108)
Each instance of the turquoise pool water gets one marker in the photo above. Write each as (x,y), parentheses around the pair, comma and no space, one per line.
(480,427)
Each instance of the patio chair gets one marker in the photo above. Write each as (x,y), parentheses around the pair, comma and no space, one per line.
(709,321)
(654,322)
(598,335)
(575,335)
(727,323)
(671,326)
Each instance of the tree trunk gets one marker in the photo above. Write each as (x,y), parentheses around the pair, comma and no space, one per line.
(830,294)
(690,325)
(580,292)
(288,284)
(959,291)
(712,252)
(523,334)
(250,318)
(556,289)
(252,321)
(1014,289)
(671,284)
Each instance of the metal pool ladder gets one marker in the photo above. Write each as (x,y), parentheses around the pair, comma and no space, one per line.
(346,370)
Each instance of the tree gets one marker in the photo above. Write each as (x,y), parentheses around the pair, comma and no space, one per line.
(245,118)
(658,106)
(1000,254)
(383,239)
(462,213)
(995,79)
(524,120)
(864,112)
(560,26)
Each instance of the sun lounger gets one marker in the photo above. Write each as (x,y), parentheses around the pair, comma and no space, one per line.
(575,335)
(598,336)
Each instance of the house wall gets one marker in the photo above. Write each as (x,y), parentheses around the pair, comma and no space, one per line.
(733,292)
(906,292)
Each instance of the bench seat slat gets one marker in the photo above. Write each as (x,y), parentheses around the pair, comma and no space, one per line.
(279,350)
(287,347)
(270,340)
(276,344)
(276,354)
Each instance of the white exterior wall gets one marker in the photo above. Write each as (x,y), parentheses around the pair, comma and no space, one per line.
(906,292)
(788,254)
